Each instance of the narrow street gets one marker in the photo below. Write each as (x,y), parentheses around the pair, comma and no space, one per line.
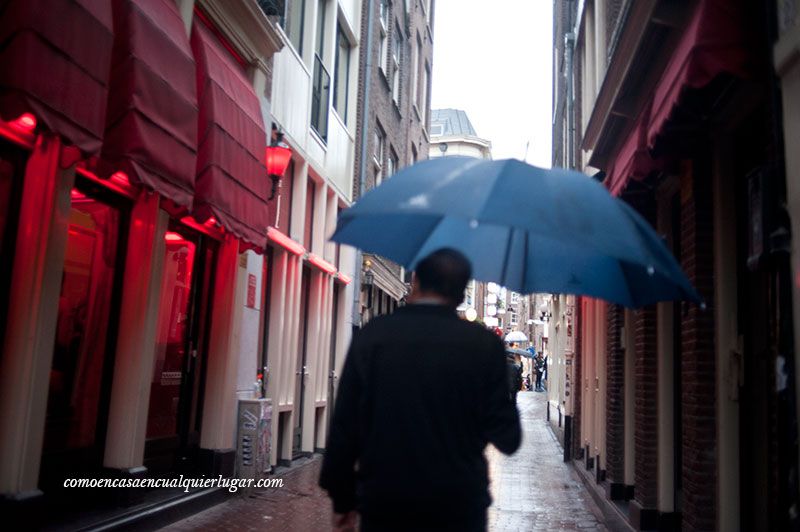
(532,490)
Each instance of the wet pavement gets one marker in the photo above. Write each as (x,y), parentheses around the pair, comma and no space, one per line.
(532,490)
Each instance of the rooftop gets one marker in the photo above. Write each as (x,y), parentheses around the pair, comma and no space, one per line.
(454,122)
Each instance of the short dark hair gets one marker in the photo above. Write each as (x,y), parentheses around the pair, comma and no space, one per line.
(445,272)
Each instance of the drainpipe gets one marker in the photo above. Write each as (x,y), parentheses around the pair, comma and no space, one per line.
(362,158)
(569,51)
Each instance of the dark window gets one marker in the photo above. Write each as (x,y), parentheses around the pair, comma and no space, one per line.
(285,199)
(12,169)
(85,332)
(308,230)
(320,96)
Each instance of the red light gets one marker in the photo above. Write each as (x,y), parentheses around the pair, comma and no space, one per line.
(75,195)
(211,222)
(171,236)
(121,177)
(26,122)
(284,241)
(278,158)
(344,278)
(320,263)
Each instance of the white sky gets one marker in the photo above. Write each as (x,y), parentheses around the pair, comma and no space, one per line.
(493,60)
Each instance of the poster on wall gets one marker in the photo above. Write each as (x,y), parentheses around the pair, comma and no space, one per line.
(569,319)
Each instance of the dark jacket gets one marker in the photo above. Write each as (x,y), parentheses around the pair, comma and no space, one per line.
(422,393)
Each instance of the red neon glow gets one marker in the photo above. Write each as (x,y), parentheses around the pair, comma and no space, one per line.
(172,236)
(277,158)
(120,177)
(321,263)
(211,222)
(75,195)
(26,122)
(344,278)
(284,241)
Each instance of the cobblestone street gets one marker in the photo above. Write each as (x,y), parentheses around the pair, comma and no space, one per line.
(532,490)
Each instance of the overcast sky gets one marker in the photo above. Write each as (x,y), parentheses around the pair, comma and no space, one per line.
(493,60)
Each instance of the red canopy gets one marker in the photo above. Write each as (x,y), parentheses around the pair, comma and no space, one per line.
(232,183)
(151,131)
(54,63)
(633,158)
(712,44)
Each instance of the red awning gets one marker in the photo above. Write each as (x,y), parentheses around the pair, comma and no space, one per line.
(633,159)
(54,63)
(152,105)
(715,42)
(232,182)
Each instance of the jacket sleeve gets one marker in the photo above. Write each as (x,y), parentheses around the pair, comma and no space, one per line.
(501,423)
(338,466)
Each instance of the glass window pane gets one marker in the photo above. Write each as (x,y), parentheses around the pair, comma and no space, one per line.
(295,10)
(342,73)
(171,336)
(84,308)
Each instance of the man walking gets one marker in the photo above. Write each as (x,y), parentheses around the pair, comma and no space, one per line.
(422,393)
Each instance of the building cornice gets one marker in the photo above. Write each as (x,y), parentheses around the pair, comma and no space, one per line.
(246,27)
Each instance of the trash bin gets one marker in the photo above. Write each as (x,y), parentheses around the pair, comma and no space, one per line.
(254,437)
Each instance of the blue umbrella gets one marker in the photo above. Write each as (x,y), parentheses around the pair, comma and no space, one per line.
(526,228)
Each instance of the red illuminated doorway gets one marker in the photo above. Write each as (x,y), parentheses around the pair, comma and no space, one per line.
(177,385)
(86,331)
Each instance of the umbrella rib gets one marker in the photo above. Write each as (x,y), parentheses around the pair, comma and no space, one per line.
(505,258)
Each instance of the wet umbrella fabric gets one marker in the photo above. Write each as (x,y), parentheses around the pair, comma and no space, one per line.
(516,336)
(526,228)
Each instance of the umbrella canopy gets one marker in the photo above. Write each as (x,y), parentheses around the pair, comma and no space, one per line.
(516,336)
(520,352)
(526,228)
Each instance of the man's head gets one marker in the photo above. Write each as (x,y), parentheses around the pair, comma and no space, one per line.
(444,273)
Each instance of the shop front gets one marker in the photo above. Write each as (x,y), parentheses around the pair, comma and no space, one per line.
(130,185)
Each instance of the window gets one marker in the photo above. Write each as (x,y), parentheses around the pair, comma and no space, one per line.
(513,319)
(391,163)
(85,327)
(321,89)
(425,95)
(384,50)
(292,12)
(341,72)
(415,71)
(397,50)
(413,154)
(514,298)
(377,154)
(437,130)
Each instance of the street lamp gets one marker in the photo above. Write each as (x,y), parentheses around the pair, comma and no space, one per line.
(277,158)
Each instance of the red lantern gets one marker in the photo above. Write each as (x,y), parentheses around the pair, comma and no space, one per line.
(277,158)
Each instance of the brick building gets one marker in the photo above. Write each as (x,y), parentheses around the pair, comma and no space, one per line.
(685,414)
(394,80)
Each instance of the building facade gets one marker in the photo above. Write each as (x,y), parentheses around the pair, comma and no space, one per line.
(393,117)
(154,274)
(684,413)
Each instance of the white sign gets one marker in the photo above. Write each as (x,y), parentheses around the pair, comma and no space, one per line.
(491,322)
(491,310)
(491,299)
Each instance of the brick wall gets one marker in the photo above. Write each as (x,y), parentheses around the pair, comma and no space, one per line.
(646,413)
(615,397)
(698,357)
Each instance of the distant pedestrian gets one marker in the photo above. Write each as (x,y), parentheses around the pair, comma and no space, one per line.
(406,441)
(539,367)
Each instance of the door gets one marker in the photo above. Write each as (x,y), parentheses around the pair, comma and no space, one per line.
(332,377)
(176,390)
(86,330)
(301,370)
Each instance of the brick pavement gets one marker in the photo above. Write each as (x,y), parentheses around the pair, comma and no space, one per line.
(532,490)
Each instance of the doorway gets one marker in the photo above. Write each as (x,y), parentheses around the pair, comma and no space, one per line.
(177,386)
(86,333)
(301,369)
